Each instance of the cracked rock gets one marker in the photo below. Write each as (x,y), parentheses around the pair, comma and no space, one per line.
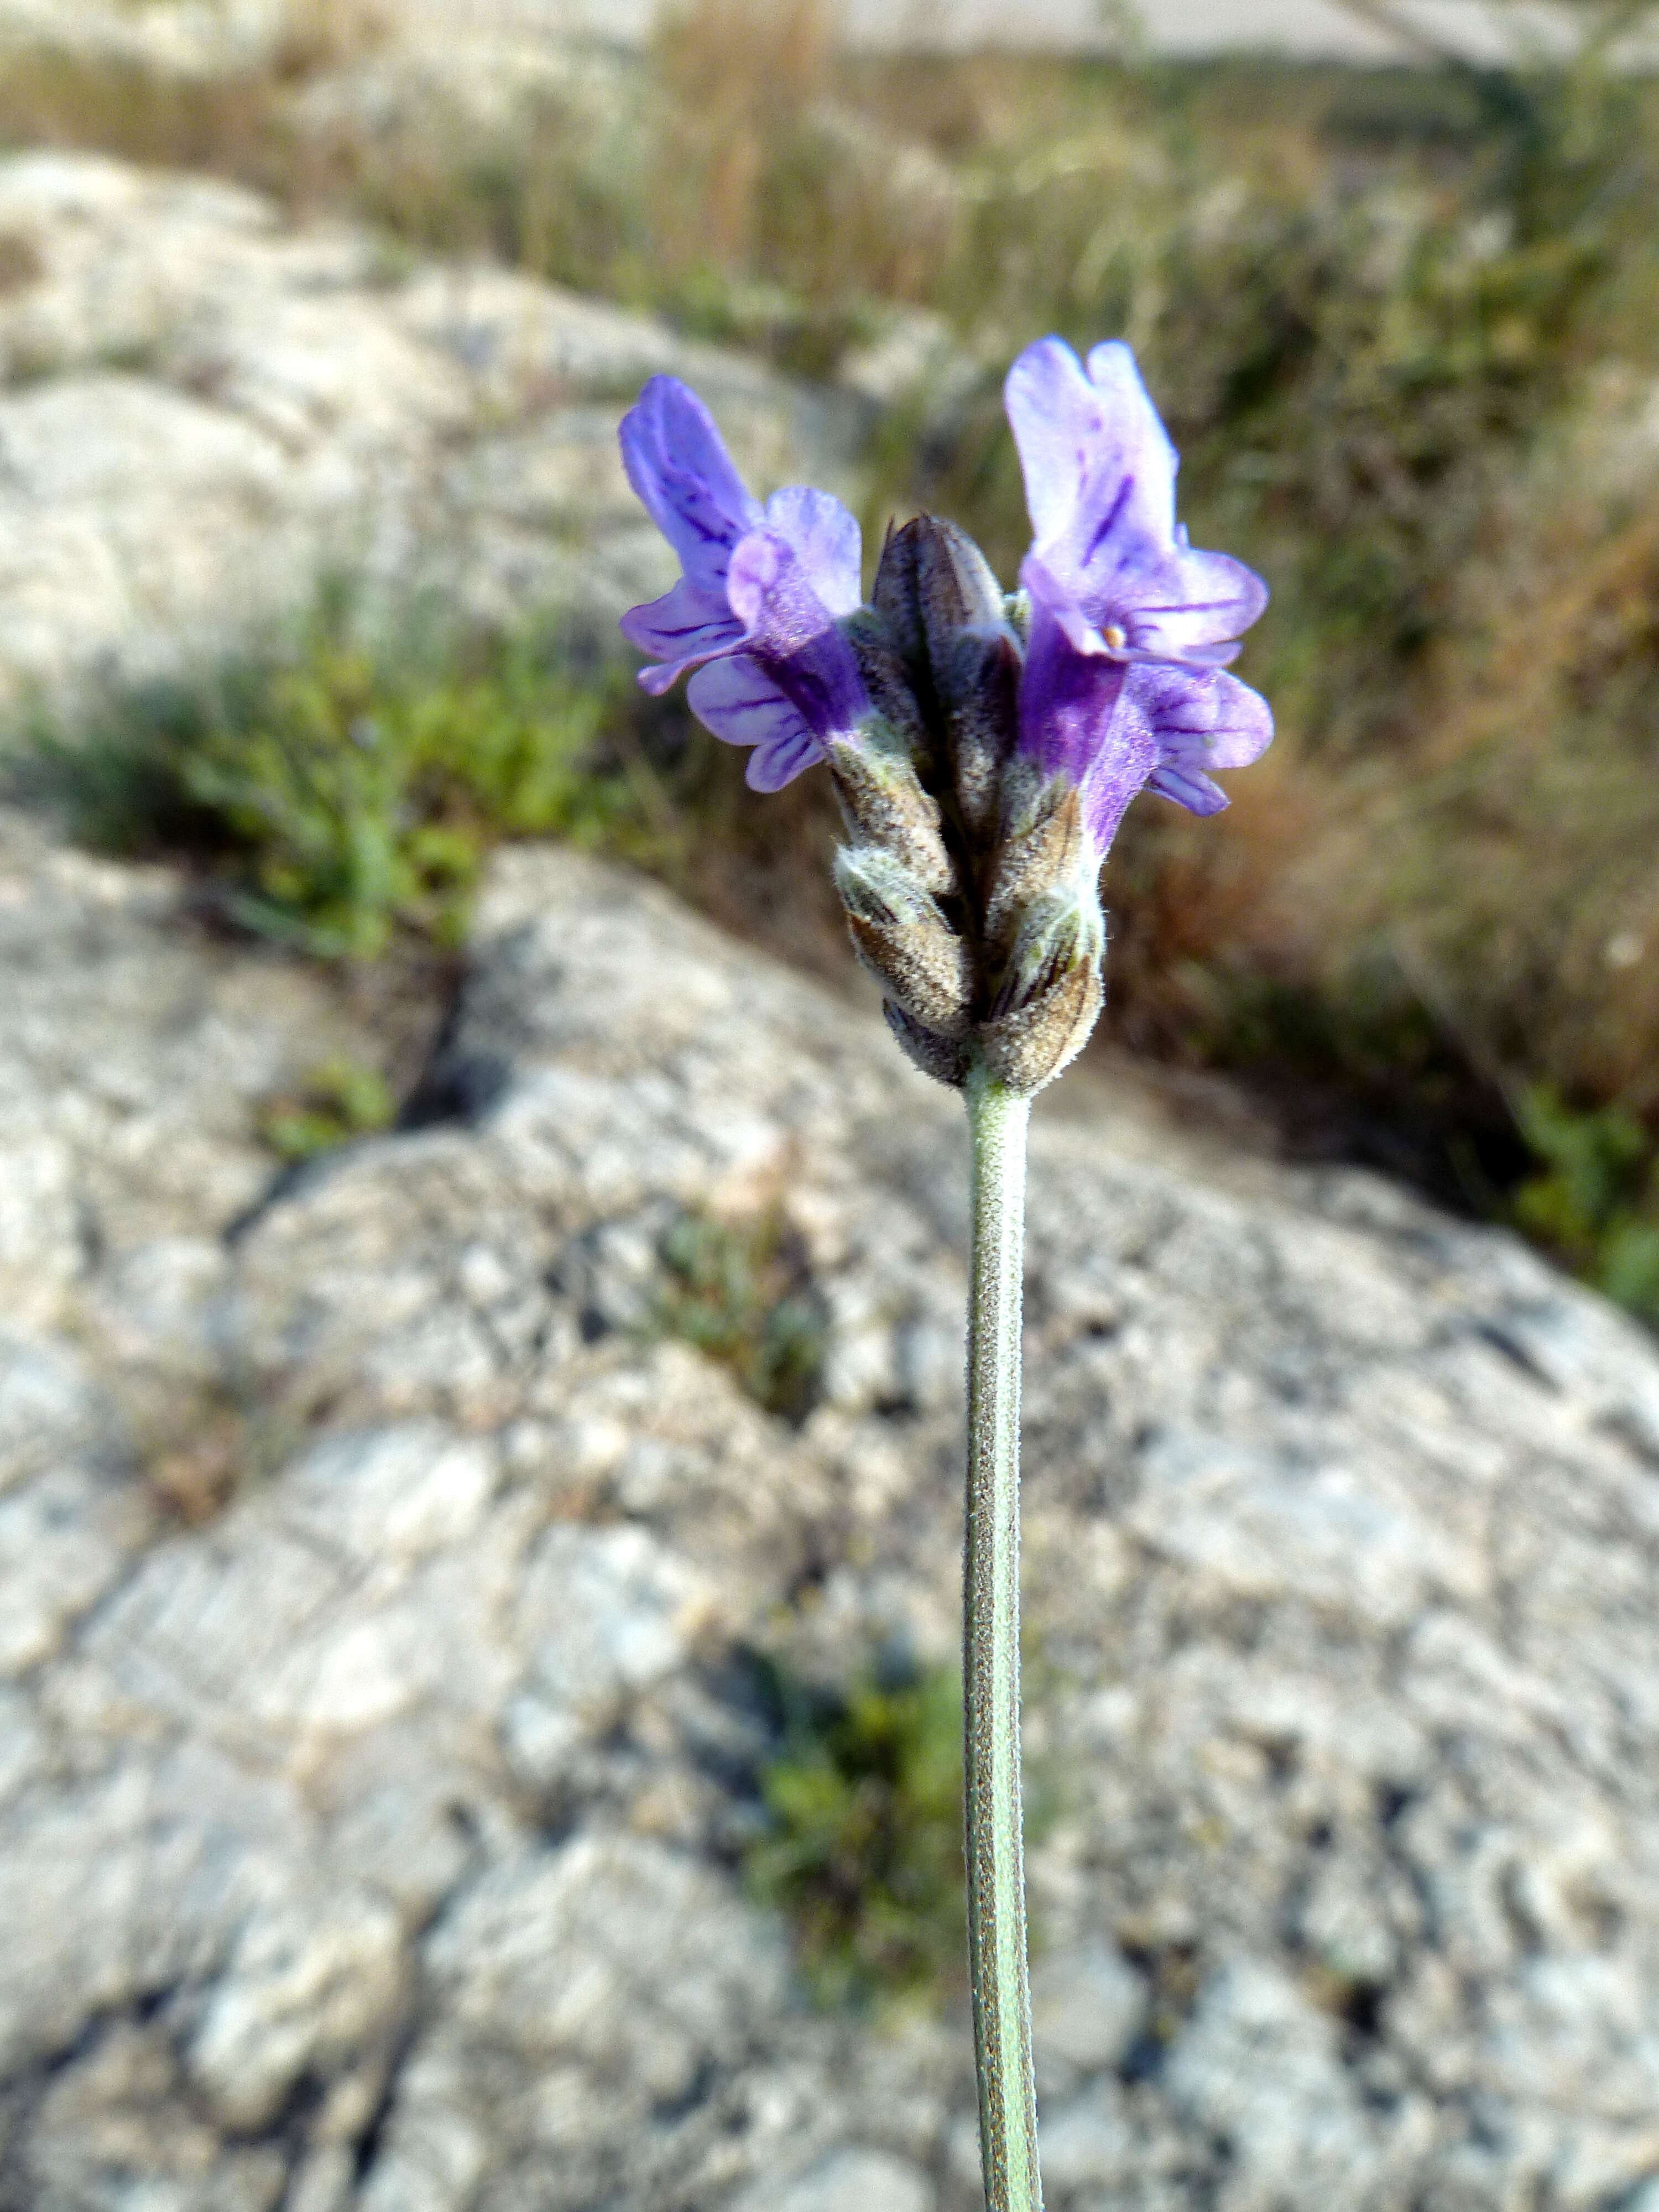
(371,1819)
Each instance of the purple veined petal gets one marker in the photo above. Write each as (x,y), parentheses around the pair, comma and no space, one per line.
(685,627)
(793,631)
(782,759)
(738,700)
(1114,727)
(790,631)
(767,588)
(1243,725)
(1211,599)
(1200,719)
(1068,704)
(677,463)
(1097,459)
(826,540)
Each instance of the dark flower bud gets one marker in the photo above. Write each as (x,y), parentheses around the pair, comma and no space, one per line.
(885,668)
(902,938)
(1029,1046)
(980,688)
(933,583)
(946,615)
(1041,850)
(947,1059)
(883,805)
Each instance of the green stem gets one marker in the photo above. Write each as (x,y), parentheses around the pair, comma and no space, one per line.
(996,1870)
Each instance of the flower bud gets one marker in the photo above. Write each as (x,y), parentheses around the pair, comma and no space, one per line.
(945,1059)
(933,583)
(885,807)
(1051,993)
(902,938)
(978,686)
(946,616)
(1029,1047)
(1041,851)
(885,668)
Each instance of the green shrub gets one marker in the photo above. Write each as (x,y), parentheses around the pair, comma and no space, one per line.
(337,795)
(339,1099)
(862,1847)
(740,1291)
(1595,1198)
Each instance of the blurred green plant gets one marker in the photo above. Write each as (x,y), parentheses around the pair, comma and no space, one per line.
(339,1100)
(862,1846)
(741,1290)
(340,794)
(1595,1198)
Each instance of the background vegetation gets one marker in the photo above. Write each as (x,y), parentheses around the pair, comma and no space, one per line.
(1405,326)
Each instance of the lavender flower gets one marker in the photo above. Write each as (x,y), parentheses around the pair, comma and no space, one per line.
(755,613)
(982,767)
(1131,627)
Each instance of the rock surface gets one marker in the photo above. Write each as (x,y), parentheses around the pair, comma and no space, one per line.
(204,412)
(370,1841)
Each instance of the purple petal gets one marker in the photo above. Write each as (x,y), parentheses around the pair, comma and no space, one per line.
(1198,794)
(1213,600)
(826,541)
(1110,562)
(1199,720)
(678,465)
(740,703)
(791,633)
(1242,726)
(1095,457)
(685,627)
(1069,710)
(1201,715)
(1114,727)
(1057,599)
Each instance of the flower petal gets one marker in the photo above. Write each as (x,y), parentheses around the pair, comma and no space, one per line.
(1068,719)
(1057,600)
(686,626)
(1116,572)
(1096,457)
(1114,727)
(791,632)
(738,700)
(677,463)
(1211,600)
(1198,794)
(826,540)
(1200,719)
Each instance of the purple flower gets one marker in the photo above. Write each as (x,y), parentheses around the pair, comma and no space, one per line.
(1131,628)
(754,614)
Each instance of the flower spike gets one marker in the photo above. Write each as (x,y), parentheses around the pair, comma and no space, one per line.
(983,750)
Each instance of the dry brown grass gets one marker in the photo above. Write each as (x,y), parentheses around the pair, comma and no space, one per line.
(736,72)
(229,122)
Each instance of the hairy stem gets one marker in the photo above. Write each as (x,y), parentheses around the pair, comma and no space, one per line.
(996,1868)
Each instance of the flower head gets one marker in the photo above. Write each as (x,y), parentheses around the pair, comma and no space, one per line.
(983,758)
(754,616)
(1131,626)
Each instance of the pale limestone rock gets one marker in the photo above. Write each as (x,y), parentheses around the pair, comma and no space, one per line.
(372,1844)
(210,412)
